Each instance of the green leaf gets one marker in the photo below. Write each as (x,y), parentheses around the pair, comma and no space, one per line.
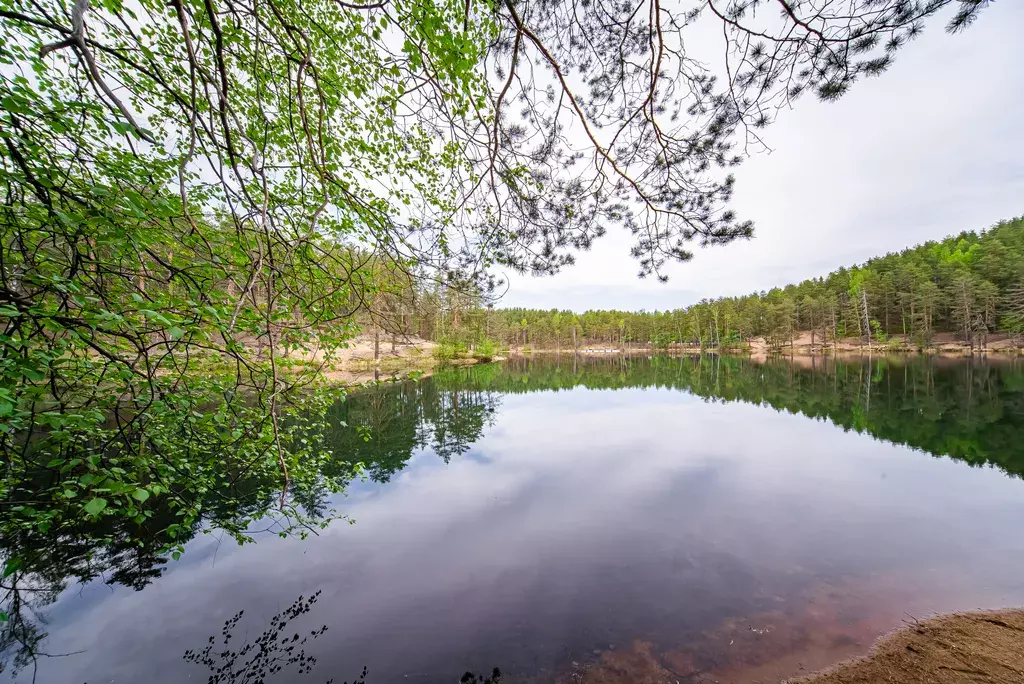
(34,374)
(12,566)
(140,495)
(96,506)
(175,333)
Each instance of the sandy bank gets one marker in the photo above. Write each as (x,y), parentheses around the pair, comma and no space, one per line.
(804,344)
(956,648)
(951,649)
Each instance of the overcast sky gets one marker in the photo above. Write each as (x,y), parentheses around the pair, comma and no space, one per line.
(932,147)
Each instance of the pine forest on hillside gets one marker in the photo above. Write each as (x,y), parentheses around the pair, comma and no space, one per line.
(971,285)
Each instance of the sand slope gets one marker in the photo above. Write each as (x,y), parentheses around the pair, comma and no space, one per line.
(953,649)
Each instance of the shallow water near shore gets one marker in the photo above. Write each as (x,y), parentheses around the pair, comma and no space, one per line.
(633,519)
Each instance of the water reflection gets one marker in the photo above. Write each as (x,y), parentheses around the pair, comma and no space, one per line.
(380,428)
(503,522)
(372,433)
(966,409)
(277,649)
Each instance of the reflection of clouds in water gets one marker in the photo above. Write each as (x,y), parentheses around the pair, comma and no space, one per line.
(579,516)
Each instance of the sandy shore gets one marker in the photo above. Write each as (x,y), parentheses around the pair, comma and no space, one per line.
(950,649)
(803,344)
(958,648)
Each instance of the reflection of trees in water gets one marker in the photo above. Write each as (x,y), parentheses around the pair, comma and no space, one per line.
(273,651)
(969,410)
(380,429)
(40,565)
(278,649)
(39,561)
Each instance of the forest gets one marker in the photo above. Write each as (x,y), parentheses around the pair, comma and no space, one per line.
(971,285)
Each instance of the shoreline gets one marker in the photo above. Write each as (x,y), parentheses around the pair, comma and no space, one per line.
(356,373)
(806,344)
(981,646)
(353,378)
(984,646)
(785,352)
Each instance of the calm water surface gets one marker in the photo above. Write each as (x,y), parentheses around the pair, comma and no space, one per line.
(690,519)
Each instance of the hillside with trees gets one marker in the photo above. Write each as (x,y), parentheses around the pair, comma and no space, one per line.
(970,285)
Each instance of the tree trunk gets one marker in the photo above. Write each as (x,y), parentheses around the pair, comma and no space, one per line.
(835,332)
(867,320)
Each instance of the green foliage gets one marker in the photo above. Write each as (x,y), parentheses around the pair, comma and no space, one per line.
(199,197)
(877,333)
(486,350)
(445,352)
(733,343)
(193,211)
(450,350)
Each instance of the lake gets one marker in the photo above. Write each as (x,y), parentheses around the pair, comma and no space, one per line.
(621,519)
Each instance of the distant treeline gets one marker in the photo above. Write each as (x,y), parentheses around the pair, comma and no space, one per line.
(971,284)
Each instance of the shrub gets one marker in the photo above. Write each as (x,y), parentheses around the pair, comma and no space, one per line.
(486,350)
(446,351)
(878,333)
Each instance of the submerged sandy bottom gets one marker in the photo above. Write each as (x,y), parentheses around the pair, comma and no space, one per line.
(833,635)
(951,649)
(985,646)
